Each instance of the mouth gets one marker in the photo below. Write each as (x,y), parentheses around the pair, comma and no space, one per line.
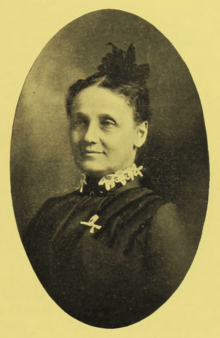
(92,152)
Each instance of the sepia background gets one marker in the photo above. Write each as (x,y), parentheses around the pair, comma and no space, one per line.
(26,309)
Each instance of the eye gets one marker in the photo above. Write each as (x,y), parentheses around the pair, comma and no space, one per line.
(78,122)
(108,123)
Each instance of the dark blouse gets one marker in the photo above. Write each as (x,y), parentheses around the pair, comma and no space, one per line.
(122,272)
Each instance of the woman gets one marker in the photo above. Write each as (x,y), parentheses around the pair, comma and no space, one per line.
(113,251)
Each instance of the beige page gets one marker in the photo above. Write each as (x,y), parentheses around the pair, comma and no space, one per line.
(193,27)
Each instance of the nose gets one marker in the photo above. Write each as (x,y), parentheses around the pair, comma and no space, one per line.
(92,133)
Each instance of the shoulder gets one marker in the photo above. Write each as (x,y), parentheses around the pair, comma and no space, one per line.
(141,193)
(167,215)
(51,205)
(166,223)
(58,200)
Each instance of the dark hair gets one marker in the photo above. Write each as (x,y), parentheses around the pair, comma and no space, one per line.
(122,76)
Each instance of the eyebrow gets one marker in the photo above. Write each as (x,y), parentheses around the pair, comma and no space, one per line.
(102,116)
(80,115)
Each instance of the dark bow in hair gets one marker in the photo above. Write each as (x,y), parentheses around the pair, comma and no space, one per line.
(121,65)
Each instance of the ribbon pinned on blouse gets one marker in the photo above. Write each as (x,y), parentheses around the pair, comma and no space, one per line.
(91,223)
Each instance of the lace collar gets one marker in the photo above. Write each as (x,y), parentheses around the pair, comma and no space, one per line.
(120,176)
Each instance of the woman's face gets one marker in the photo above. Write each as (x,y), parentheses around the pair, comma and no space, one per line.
(103,133)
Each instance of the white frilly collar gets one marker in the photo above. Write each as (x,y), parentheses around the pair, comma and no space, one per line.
(120,176)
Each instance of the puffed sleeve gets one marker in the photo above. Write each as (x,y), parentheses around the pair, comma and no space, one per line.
(168,249)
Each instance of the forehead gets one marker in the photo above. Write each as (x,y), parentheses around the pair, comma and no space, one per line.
(98,100)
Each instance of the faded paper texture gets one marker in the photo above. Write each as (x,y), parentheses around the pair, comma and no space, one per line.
(26,308)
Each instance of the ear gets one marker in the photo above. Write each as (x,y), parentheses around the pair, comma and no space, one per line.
(141,136)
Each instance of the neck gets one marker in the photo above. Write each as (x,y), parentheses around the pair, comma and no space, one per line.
(99,174)
(109,181)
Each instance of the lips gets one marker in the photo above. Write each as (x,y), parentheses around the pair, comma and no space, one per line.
(92,152)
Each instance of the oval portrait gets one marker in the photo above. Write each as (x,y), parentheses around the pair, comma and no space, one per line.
(109,169)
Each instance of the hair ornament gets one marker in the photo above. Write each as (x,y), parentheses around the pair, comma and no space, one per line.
(121,65)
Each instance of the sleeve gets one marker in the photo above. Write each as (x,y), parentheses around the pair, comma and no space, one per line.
(169,249)
(35,242)
(33,225)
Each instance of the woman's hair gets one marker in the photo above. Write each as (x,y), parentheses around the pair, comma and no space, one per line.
(119,73)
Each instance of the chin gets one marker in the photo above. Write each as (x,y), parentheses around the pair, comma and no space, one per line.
(93,169)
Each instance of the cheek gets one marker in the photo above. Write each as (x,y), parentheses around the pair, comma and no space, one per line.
(74,142)
(127,137)
(75,137)
(121,144)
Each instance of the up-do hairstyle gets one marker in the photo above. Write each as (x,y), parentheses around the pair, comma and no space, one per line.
(119,73)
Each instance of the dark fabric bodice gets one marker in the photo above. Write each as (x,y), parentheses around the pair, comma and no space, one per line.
(119,274)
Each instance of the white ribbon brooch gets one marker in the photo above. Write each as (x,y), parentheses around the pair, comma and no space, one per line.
(91,223)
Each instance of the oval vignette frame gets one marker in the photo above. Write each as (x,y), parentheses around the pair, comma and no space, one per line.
(176,156)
